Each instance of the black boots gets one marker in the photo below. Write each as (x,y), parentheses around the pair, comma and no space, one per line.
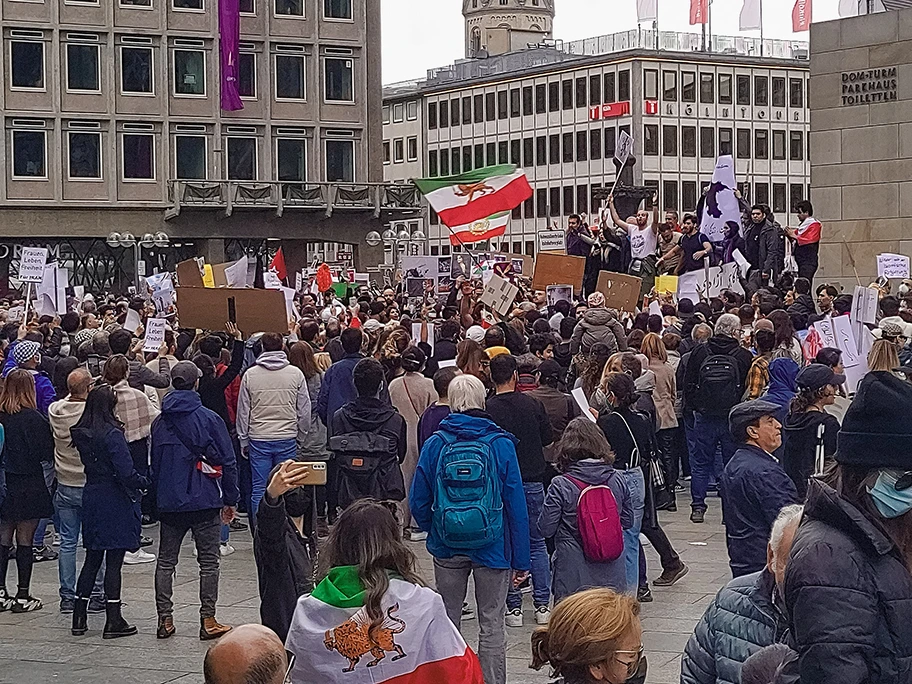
(115,626)
(80,617)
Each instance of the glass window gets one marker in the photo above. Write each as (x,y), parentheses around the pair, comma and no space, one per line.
(796,145)
(582,146)
(242,158)
(744,90)
(187,4)
(540,99)
(502,112)
(595,143)
(796,194)
(491,153)
(467,110)
(82,67)
(796,92)
(743,143)
(554,148)
(624,85)
(610,95)
(490,106)
(340,161)
(85,155)
(244,6)
(478,102)
(707,87)
(778,99)
(669,141)
(595,90)
(398,151)
(399,112)
(387,153)
(503,155)
(541,150)
(527,100)
(569,196)
(190,155)
(515,152)
(780,198)
(670,194)
(479,157)
(761,144)
(27,64)
(454,111)
(454,161)
(582,198)
(247,78)
(670,86)
(761,193)
(688,141)
(289,8)
(650,84)
(291,156)
(541,203)
(189,72)
(688,195)
(554,201)
(29,156)
(138,156)
(444,163)
(432,163)
(725,88)
(136,3)
(289,77)
(514,102)
(761,91)
(553,96)
(339,77)
(337,9)
(725,141)
(581,91)
(136,70)
(528,147)
(432,115)
(567,93)
(688,86)
(411,110)
(651,140)
(778,144)
(443,118)
(610,138)
(708,143)
(466,158)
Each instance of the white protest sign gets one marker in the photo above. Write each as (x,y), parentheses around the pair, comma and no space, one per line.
(236,274)
(299,281)
(290,311)
(56,280)
(45,305)
(271,281)
(446,364)
(845,340)
(655,309)
(721,278)
(556,293)
(825,329)
(155,334)
(864,305)
(624,148)
(551,241)
(892,266)
(416,334)
(499,294)
(580,397)
(31,264)
(15,313)
(719,206)
(132,321)
(742,262)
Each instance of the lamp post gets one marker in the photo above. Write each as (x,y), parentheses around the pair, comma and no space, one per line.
(128,241)
(398,244)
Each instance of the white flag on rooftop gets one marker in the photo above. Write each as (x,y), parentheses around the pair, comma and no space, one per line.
(751,17)
(647,10)
(848,8)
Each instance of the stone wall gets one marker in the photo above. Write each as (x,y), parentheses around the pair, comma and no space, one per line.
(861,154)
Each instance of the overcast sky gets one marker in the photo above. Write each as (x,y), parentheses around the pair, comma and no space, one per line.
(422,34)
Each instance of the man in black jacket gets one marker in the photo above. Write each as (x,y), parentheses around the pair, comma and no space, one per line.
(444,348)
(764,245)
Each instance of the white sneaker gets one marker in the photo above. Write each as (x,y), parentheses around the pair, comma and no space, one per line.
(417,535)
(468,613)
(542,615)
(226,549)
(138,557)
(514,618)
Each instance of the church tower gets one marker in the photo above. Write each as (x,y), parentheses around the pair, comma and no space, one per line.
(493,27)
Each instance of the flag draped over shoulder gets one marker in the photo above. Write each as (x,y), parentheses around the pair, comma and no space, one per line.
(415,644)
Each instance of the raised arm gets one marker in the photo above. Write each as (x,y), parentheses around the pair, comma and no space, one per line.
(614,215)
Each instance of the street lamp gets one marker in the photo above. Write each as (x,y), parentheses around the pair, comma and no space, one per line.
(129,241)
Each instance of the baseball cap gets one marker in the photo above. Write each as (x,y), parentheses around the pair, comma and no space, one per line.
(817,375)
(184,375)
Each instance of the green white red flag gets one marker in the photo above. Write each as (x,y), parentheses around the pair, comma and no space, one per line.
(415,644)
(478,231)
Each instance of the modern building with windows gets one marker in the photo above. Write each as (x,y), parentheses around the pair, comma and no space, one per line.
(113,120)
(556,109)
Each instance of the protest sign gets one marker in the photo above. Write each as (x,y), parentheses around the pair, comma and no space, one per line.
(864,305)
(742,262)
(155,334)
(557,269)
(416,334)
(252,311)
(54,283)
(236,273)
(580,397)
(721,278)
(846,341)
(825,329)
(719,206)
(31,264)
(556,293)
(621,291)
(551,241)
(892,266)
(499,294)
(132,322)
(189,274)
(666,283)
(45,305)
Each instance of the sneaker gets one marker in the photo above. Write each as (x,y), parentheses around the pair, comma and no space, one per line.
(526,586)
(67,606)
(644,595)
(514,618)
(29,604)
(671,575)
(697,515)
(468,613)
(226,549)
(145,541)
(45,553)
(55,539)
(417,535)
(97,604)
(237,526)
(138,557)
(6,601)
(542,615)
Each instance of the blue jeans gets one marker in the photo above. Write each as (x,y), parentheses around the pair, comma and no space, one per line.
(636,483)
(541,564)
(713,447)
(264,456)
(68,508)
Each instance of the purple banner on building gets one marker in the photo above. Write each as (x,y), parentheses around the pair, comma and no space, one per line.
(229,42)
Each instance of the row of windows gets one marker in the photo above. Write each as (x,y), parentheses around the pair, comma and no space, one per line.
(538,99)
(332,9)
(725,88)
(137,71)
(401,112)
(788,144)
(84,157)
(400,150)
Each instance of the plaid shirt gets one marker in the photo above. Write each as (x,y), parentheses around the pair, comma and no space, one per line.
(134,410)
(758,376)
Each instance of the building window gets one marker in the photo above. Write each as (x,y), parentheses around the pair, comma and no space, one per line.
(479,157)
(567,94)
(582,145)
(688,141)
(398,151)
(491,153)
(247,78)
(338,75)
(688,86)
(467,110)
(27,64)
(514,102)
(190,156)
(245,7)
(553,96)
(340,161)
(581,91)
(443,114)
(136,3)
(478,102)
(541,203)
(707,88)
(387,154)
(541,151)
(669,141)
(502,112)
(540,99)
(595,90)
(688,195)
(432,163)
(138,156)
(743,147)
(187,4)
(554,148)
(725,141)
(761,193)
(761,91)
(595,144)
(337,9)
(29,154)
(515,152)
(82,68)
(610,138)
(796,92)
(398,113)
(85,155)
(650,84)
(670,86)
(778,99)
(412,148)
(432,115)
(610,95)
(528,152)
(136,70)
(670,195)
(528,100)
(778,144)
(744,90)
(708,143)
(582,198)
(242,158)
(796,194)
(411,110)
(796,145)
(444,163)
(289,77)
(291,159)
(189,72)
(569,196)
(554,201)
(289,8)
(725,88)
(651,140)
(503,152)
(780,199)
(761,144)
(624,85)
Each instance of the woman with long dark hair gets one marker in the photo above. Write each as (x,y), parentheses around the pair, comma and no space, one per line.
(110,508)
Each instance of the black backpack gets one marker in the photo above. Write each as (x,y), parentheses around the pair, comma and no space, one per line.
(719,384)
(368,467)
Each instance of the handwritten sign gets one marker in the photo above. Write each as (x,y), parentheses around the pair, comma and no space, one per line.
(155,334)
(31,264)
(499,294)
(864,305)
(825,330)
(845,340)
(721,278)
(892,266)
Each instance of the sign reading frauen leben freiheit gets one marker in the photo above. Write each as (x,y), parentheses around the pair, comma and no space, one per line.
(869,87)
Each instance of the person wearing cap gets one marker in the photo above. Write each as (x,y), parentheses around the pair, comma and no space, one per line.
(27,355)
(753,486)
(808,428)
(195,476)
(848,585)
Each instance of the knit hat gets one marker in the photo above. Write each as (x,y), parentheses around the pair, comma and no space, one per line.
(24,351)
(475,333)
(876,432)
(596,299)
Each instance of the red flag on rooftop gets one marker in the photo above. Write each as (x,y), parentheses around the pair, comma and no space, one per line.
(699,12)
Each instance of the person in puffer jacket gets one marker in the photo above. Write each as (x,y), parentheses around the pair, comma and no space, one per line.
(598,325)
(745,616)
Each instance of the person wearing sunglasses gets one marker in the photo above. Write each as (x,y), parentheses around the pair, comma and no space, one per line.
(593,636)
(848,585)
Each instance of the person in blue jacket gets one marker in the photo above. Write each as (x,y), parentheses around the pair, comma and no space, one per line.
(195,476)
(505,562)
(26,354)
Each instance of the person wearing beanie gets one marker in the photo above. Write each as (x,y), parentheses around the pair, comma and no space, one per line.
(753,486)
(848,586)
(27,355)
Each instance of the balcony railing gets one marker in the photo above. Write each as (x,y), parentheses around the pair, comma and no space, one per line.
(281,196)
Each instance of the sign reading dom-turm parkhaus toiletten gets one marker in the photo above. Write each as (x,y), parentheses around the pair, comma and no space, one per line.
(869,86)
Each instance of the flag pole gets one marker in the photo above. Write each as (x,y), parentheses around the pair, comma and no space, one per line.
(761,28)
(709,26)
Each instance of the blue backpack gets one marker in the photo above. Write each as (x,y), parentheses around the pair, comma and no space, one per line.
(468,506)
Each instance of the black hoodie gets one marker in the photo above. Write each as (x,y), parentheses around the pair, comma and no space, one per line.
(804,304)
(799,441)
(369,414)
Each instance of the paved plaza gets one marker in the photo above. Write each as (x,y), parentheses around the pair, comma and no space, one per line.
(37,648)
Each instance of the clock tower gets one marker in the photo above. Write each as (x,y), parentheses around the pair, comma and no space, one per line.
(493,27)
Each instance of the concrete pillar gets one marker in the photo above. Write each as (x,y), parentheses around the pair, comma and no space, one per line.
(213,249)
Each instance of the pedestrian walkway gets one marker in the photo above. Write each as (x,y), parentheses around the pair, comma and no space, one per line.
(38,647)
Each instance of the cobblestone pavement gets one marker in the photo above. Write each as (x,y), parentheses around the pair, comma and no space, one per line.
(38,648)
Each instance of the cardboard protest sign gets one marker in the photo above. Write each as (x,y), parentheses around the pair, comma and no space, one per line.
(557,269)
(188,274)
(31,264)
(892,266)
(252,311)
(155,334)
(499,294)
(621,291)
(666,283)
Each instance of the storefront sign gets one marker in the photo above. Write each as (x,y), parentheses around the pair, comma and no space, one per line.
(870,86)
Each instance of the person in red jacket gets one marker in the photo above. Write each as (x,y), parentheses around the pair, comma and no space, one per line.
(807,236)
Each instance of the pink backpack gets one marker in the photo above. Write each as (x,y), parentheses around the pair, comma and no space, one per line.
(599,522)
